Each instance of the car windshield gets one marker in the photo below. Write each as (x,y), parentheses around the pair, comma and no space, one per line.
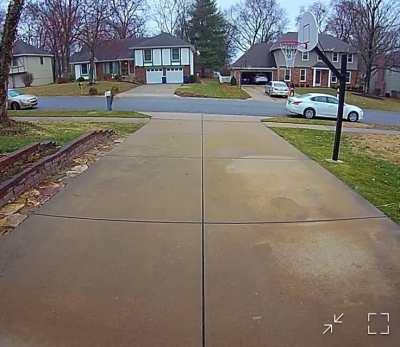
(280,84)
(14,93)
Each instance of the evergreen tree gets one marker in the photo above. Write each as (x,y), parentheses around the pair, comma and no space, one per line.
(207,33)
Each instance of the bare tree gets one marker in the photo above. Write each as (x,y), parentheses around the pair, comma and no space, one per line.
(52,25)
(127,18)
(376,33)
(257,21)
(7,40)
(172,16)
(319,10)
(94,16)
(340,22)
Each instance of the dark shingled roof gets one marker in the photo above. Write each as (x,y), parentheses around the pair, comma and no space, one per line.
(257,56)
(22,48)
(108,50)
(163,40)
(326,43)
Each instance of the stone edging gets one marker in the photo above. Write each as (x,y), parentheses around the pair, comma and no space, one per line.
(49,165)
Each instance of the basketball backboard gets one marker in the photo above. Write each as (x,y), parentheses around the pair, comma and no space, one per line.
(307,33)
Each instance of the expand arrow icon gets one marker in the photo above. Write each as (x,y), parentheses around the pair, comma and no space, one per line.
(329,327)
(337,320)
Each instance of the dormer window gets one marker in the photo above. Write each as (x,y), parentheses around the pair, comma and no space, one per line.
(349,58)
(305,56)
(335,57)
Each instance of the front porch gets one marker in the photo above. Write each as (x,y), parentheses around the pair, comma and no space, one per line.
(322,77)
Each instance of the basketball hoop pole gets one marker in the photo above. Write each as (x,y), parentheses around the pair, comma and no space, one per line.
(342,90)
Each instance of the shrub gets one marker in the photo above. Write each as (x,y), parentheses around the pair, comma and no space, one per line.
(117,77)
(27,79)
(114,90)
(62,80)
(192,79)
(93,91)
(233,81)
(80,79)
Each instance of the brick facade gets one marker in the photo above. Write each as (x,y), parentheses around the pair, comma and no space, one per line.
(308,82)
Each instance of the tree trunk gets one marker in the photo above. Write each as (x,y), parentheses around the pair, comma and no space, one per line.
(91,67)
(9,33)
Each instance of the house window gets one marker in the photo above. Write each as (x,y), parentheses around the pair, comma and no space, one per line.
(288,75)
(305,56)
(84,69)
(318,58)
(348,77)
(147,56)
(303,75)
(335,57)
(14,62)
(41,60)
(350,58)
(334,79)
(175,54)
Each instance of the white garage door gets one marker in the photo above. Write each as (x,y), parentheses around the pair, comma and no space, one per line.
(174,75)
(154,76)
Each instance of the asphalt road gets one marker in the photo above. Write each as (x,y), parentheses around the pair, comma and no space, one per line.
(196,105)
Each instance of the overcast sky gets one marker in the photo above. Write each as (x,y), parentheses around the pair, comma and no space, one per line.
(291,6)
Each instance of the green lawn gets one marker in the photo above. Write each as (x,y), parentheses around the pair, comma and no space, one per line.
(370,167)
(384,104)
(315,121)
(212,89)
(73,89)
(76,113)
(60,132)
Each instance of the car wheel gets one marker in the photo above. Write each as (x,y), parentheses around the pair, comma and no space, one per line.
(309,113)
(15,106)
(353,116)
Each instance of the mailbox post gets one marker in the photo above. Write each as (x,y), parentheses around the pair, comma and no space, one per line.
(109,99)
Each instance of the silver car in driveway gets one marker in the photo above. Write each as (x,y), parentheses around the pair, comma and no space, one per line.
(18,100)
(277,88)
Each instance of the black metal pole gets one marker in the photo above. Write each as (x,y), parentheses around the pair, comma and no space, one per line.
(342,91)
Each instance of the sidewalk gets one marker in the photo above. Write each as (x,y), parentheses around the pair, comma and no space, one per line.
(200,232)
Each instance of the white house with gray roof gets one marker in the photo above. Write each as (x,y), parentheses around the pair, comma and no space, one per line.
(267,59)
(159,59)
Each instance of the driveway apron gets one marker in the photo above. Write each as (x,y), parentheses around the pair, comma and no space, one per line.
(202,232)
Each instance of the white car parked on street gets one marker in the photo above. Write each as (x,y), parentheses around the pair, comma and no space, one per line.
(17,100)
(322,105)
(277,88)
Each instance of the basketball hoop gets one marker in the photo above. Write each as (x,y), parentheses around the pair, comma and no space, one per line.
(289,49)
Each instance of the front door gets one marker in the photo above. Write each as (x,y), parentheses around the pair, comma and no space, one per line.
(317,77)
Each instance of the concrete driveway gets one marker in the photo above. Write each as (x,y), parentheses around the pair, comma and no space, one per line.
(257,92)
(153,90)
(202,232)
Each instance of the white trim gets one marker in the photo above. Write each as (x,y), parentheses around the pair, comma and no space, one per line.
(305,75)
(349,82)
(33,55)
(329,78)
(284,74)
(100,61)
(333,79)
(308,56)
(350,61)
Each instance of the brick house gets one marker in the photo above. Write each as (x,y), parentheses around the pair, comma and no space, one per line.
(267,59)
(159,59)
